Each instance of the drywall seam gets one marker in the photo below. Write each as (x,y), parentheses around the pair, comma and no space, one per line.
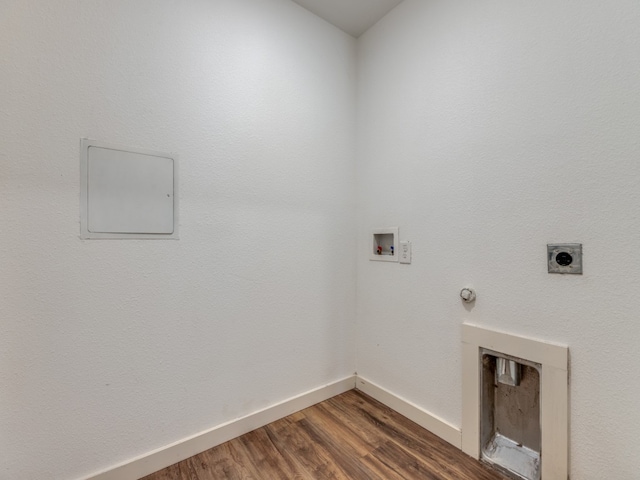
(188,447)
(435,425)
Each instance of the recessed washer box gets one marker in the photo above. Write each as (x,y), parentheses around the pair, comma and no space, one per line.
(384,244)
(127,192)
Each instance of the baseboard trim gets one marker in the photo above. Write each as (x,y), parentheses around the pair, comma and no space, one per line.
(188,447)
(435,425)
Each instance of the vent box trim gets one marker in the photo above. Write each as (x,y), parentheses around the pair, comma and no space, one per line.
(552,362)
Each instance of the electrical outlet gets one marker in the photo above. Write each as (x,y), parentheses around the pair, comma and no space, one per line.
(405,252)
(565,258)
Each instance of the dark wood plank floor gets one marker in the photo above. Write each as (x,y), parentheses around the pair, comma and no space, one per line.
(351,436)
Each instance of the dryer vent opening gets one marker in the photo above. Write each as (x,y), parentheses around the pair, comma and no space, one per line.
(510,415)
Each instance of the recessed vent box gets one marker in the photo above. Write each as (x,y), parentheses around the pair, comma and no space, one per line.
(510,415)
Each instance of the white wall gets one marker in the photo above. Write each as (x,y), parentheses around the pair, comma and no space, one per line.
(487,130)
(110,349)
(473,116)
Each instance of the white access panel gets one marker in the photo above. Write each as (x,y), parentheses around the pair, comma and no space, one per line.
(127,192)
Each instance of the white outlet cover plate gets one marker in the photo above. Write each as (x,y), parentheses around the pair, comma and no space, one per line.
(405,252)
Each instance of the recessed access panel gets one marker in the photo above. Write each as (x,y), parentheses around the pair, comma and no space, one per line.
(127,192)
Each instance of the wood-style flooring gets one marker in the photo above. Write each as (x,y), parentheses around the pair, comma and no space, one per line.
(351,436)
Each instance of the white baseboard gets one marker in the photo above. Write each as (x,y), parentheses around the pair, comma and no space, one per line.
(435,425)
(188,447)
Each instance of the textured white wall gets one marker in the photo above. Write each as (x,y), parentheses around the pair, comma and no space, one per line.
(109,349)
(487,130)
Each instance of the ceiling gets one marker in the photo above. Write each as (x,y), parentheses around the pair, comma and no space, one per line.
(351,16)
